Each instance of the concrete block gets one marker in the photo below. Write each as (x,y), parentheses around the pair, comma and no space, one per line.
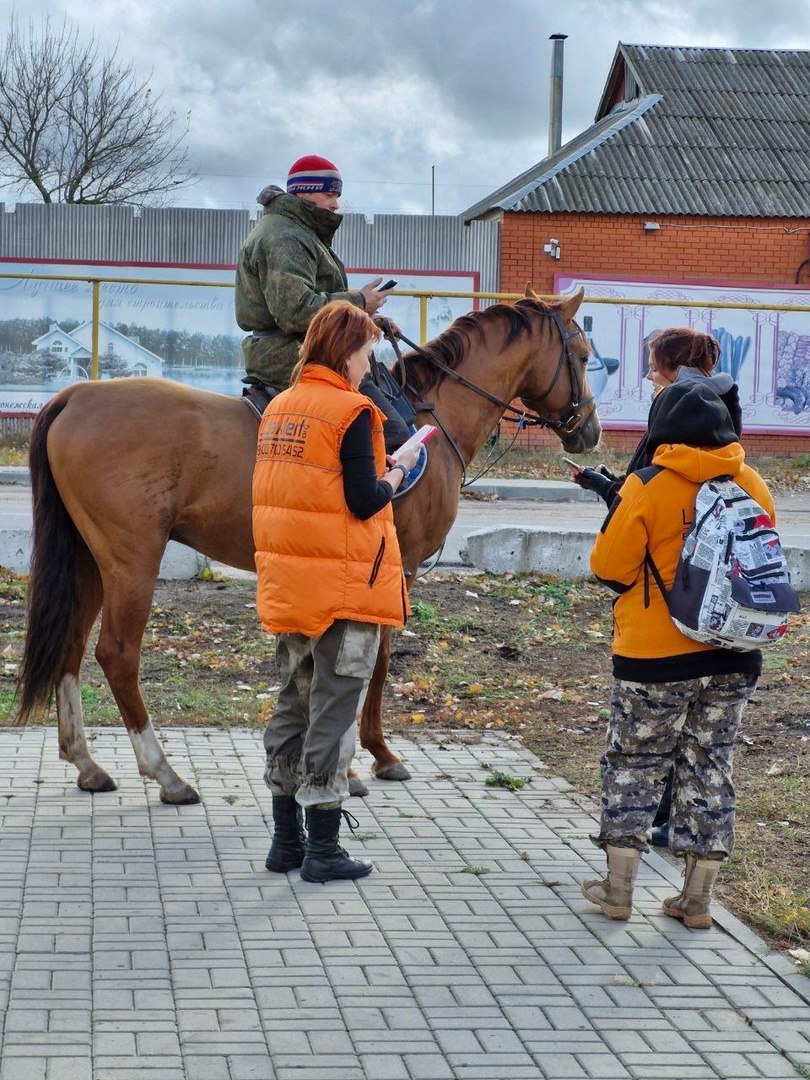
(179,562)
(539,549)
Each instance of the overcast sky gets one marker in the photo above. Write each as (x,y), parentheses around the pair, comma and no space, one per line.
(395,93)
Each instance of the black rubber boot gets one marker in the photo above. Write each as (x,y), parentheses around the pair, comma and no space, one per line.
(325,859)
(287,850)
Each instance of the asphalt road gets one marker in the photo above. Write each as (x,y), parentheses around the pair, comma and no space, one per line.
(794,516)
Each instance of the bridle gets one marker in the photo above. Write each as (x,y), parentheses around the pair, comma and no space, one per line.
(522,417)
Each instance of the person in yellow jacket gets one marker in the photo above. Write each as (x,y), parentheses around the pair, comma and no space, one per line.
(675,702)
(329,575)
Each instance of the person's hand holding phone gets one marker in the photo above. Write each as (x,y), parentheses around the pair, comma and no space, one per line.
(373,296)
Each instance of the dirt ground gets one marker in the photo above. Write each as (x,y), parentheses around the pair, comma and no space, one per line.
(527,655)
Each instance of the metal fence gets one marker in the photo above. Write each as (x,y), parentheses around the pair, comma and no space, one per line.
(62,232)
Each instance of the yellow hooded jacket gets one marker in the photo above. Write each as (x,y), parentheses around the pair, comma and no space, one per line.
(653,512)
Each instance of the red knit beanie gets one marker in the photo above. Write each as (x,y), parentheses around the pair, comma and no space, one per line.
(313,173)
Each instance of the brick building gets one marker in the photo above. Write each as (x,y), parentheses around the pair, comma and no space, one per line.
(696,170)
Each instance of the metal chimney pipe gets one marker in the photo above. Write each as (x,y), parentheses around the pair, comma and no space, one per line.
(556,94)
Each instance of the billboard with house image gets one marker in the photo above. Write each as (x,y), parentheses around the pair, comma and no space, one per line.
(180,331)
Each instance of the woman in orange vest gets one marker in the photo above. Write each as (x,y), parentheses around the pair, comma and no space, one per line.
(329,576)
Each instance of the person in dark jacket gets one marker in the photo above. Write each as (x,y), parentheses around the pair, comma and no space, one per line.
(287,272)
(676,702)
(677,355)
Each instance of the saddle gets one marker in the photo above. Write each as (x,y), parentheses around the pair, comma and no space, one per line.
(392,390)
(257,395)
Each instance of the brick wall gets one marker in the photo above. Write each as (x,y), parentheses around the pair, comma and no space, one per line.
(754,251)
(625,441)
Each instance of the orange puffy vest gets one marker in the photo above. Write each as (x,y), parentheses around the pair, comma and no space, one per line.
(316,562)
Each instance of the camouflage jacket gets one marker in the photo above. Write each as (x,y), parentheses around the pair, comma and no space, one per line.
(287,271)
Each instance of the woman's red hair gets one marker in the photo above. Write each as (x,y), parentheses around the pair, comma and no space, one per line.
(337,331)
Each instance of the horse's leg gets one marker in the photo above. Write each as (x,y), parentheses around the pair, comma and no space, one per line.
(387,766)
(127,602)
(72,741)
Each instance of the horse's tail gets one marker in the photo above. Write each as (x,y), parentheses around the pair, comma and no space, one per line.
(52,589)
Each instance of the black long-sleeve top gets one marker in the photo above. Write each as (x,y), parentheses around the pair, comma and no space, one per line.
(365,494)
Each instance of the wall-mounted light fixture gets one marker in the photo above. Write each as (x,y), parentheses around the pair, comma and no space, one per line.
(651,226)
(552,248)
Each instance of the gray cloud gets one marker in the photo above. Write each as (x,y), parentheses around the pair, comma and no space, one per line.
(390,90)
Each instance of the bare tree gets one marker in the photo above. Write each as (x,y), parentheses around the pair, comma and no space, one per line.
(77,126)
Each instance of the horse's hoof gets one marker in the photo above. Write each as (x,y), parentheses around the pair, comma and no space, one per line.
(396,771)
(357,787)
(96,782)
(183,796)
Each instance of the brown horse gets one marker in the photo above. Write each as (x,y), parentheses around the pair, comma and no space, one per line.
(119,468)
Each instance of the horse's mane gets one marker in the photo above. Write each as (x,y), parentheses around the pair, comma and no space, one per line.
(449,347)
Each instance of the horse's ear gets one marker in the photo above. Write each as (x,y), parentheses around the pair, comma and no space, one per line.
(571,306)
(530,291)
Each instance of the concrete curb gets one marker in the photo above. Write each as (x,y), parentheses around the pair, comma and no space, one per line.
(565,553)
(15,474)
(178,563)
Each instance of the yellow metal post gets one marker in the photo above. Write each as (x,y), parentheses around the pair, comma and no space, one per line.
(96,312)
(423,314)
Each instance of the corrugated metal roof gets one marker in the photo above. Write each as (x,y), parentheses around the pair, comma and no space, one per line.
(712,132)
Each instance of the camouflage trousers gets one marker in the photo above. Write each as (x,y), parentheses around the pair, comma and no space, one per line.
(690,726)
(311,737)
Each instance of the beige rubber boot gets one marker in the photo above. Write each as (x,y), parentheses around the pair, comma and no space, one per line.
(614,894)
(692,904)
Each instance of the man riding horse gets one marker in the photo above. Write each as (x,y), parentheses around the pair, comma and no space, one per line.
(287,272)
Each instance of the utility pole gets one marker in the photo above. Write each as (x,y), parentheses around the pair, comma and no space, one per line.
(432,190)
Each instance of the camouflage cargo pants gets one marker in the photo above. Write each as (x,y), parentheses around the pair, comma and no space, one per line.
(690,725)
(310,739)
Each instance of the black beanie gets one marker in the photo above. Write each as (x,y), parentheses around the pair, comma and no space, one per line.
(690,413)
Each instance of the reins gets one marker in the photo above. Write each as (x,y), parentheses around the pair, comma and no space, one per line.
(520,417)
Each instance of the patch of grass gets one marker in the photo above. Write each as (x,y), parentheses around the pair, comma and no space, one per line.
(773,898)
(774,663)
(13,587)
(506,780)
(478,871)
(8,703)
(426,615)
(14,448)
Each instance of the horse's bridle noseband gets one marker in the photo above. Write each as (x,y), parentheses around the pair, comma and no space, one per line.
(522,417)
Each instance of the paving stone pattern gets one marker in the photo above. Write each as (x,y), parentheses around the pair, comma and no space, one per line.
(146,942)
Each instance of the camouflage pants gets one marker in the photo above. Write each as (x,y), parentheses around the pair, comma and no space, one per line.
(691,726)
(310,739)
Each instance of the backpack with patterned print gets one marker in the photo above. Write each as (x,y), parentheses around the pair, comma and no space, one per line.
(732,587)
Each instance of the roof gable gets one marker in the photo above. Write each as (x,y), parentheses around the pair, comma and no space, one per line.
(719,132)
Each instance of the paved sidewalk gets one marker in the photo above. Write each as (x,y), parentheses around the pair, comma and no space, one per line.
(145,942)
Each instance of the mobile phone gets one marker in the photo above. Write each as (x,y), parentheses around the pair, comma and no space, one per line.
(573,464)
(390,284)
